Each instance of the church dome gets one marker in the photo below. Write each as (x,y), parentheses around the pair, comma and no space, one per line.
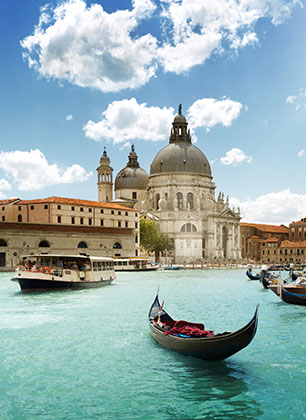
(132,176)
(180,156)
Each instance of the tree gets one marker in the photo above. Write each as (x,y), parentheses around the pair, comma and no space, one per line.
(151,240)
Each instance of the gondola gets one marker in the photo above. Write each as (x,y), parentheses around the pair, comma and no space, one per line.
(251,277)
(293,298)
(205,345)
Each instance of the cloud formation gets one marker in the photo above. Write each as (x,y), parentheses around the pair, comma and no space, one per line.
(128,120)
(276,207)
(298,100)
(302,153)
(208,112)
(235,157)
(89,47)
(4,185)
(31,171)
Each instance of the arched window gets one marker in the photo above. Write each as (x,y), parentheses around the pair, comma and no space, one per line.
(3,242)
(44,244)
(117,245)
(19,218)
(82,244)
(179,197)
(188,227)
(190,200)
(157,198)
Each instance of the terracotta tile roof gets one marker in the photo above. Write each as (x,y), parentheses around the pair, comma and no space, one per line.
(289,244)
(254,237)
(11,200)
(267,228)
(271,240)
(63,200)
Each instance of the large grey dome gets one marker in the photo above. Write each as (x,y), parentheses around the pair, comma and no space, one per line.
(180,158)
(132,176)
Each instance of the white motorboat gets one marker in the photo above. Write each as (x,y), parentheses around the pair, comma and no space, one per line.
(134,264)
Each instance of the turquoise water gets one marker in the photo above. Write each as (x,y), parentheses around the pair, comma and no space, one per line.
(89,354)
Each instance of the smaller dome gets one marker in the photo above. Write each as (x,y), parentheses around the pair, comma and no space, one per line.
(132,176)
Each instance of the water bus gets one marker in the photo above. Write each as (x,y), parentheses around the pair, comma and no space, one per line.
(134,264)
(44,272)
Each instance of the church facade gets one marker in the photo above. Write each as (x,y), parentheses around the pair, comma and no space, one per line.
(179,194)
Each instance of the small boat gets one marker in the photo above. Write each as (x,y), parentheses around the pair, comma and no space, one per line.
(292,288)
(134,264)
(292,298)
(45,272)
(191,339)
(251,277)
(172,267)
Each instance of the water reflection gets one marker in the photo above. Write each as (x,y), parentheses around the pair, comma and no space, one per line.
(211,390)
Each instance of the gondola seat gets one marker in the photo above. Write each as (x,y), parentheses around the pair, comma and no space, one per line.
(188,329)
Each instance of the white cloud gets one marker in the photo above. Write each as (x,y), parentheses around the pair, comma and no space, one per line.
(92,48)
(89,47)
(298,100)
(235,157)
(30,170)
(69,117)
(208,112)
(302,153)
(276,207)
(4,185)
(127,120)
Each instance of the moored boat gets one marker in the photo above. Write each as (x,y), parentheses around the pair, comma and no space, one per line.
(292,298)
(134,264)
(192,339)
(252,277)
(292,288)
(45,272)
(172,267)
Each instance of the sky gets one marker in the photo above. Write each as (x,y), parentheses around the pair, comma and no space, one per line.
(77,76)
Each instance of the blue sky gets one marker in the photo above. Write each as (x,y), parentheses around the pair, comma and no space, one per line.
(77,75)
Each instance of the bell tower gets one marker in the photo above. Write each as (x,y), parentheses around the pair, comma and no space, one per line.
(105,179)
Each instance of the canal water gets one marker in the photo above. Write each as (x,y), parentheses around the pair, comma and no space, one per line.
(89,355)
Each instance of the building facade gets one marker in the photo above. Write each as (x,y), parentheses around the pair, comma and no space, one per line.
(179,194)
(254,235)
(63,225)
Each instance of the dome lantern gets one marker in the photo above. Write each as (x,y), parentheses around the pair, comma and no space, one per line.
(179,131)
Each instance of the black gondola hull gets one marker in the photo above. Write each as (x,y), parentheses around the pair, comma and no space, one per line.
(217,347)
(251,277)
(293,298)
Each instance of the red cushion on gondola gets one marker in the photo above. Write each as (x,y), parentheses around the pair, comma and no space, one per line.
(189,331)
(180,324)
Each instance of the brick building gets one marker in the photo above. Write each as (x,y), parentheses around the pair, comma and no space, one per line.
(65,225)
(255,236)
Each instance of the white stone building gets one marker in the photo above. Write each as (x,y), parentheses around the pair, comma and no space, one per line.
(180,194)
